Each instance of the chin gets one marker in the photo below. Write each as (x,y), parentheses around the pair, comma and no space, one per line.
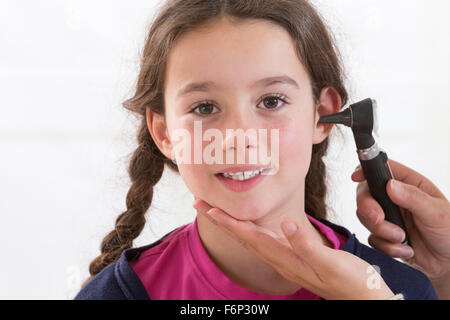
(245,210)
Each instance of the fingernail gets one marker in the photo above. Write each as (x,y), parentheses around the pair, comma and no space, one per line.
(406,253)
(289,228)
(211,216)
(397,236)
(373,216)
(396,186)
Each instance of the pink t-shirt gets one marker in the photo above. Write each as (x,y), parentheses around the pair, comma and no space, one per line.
(179,268)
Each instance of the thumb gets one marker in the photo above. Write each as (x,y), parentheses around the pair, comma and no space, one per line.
(304,245)
(419,203)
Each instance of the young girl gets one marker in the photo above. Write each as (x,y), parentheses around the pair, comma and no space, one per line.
(234,64)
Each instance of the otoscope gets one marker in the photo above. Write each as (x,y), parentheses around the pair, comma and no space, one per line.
(362,118)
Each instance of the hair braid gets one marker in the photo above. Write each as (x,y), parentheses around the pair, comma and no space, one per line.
(145,170)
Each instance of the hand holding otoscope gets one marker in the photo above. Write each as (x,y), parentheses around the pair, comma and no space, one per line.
(361,117)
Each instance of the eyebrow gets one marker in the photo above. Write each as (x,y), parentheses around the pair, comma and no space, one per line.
(265,82)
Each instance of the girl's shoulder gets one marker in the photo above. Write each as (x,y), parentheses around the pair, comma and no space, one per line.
(104,286)
(399,276)
(155,248)
(119,281)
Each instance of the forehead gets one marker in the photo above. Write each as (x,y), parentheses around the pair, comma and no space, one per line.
(233,54)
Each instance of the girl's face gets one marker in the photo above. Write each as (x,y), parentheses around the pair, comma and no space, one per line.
(234,58)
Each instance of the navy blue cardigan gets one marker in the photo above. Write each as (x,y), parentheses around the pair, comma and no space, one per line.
(119,281)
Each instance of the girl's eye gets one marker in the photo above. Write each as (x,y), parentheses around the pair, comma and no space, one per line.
(204,108)
(271,102)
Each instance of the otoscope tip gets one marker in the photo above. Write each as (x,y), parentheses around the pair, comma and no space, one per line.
(343,117)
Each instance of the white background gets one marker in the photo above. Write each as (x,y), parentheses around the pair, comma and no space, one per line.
(65,69)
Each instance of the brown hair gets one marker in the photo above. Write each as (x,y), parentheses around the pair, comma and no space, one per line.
(315,48)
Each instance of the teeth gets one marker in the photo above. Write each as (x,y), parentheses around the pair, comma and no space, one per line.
(241,176)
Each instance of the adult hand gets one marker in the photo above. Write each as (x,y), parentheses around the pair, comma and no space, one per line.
(300,258)
(426,212)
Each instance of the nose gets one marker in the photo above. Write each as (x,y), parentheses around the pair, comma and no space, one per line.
(246,137)
(239,126)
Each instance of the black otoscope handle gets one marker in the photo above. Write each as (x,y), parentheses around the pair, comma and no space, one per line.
(377,173)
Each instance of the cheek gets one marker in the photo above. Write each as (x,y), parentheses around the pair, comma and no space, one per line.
(194,176)
(187,142)
(295,146)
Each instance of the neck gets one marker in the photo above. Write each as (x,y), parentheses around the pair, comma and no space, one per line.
(241,266)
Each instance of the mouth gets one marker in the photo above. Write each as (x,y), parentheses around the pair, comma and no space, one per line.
(242,175)
(239,181)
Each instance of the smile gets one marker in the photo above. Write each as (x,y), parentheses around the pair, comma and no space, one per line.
(243,180)
(244,175)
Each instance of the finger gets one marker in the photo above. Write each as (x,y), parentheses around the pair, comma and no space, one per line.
(358,174)
(406,175)
(221,219)
(239,228)
(328,264)
(247,233)
(372,216)
(395,250)
(411,177)
(306,247)
(387,231)
(368,209)
(420,204)
(201,205)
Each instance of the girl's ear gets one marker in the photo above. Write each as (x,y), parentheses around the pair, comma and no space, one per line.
(329,103)
(158,130)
